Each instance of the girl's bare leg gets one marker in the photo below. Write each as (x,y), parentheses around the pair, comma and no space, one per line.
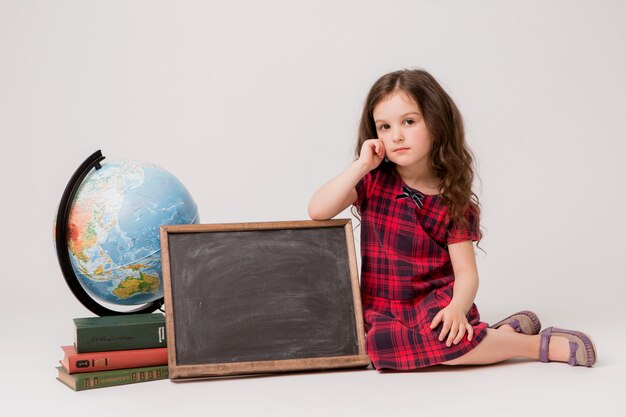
(502,344)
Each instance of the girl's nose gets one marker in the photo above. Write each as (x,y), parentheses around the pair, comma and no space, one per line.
(397,137)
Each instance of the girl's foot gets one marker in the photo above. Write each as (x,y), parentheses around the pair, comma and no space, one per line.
(575,348)
(507,328)
(558,349)
(525,322)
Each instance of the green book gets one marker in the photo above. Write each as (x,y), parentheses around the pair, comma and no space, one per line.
(123,332)
(92,380)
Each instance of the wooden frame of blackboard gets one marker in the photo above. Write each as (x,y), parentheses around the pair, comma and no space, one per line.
(207,367)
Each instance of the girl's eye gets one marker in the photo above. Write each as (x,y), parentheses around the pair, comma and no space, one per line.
(409,122)
(383,127)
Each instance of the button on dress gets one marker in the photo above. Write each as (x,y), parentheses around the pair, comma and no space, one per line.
(406,272)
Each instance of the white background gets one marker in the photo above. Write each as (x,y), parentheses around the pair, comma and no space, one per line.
(254,105)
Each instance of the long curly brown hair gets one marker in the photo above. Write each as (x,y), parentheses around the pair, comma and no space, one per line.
(450,158)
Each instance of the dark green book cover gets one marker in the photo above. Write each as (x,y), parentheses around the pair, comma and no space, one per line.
(92,380)
(128,331)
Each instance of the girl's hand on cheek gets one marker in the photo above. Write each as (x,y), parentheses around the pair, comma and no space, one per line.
(372,153)
(455,325)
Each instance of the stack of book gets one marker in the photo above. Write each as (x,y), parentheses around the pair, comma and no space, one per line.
(115,350)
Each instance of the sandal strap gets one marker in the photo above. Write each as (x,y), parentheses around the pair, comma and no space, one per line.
(515,324)
(545,343)
(573,347)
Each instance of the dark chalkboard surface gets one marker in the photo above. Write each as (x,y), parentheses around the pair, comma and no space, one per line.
(261,297)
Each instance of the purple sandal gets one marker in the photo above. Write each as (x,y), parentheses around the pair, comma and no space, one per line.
(582,349)
(525,322)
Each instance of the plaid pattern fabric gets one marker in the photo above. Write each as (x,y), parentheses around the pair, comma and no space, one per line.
(406,273)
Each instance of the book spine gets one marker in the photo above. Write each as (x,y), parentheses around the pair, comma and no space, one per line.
(118,359)
(110,338)
(119,377)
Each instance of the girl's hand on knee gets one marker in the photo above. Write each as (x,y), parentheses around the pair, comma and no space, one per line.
(372,153)
(455,325)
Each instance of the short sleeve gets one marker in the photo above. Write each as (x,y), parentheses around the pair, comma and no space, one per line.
(363,190)
(456,233)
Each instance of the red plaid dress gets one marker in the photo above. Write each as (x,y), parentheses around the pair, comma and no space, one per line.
(406,273)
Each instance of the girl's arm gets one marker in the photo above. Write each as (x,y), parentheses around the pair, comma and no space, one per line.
(337,194)
(454,316)
(465,274)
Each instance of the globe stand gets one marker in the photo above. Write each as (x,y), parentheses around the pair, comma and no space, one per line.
(63,254)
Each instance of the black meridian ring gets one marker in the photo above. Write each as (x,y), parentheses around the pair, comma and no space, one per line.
(63,253)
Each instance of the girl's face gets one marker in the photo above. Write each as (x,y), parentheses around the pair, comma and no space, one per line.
(401,128)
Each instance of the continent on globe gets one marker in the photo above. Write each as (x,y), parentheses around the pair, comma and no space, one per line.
(133,285)
(114,229)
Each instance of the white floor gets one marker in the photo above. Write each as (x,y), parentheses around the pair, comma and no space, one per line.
(516,388)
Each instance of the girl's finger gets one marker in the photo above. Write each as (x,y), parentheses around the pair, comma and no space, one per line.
(374,146)
(460,334)
(470,332)
(454,330)
(436,320)
(446,328)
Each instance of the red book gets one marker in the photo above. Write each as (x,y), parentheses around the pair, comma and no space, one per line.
(75,363)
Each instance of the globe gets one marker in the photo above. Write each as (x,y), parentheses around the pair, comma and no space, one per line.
(113,229)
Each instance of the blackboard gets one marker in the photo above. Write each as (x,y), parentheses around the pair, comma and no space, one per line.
(248,298)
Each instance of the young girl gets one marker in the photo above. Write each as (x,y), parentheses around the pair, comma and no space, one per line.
(412,186)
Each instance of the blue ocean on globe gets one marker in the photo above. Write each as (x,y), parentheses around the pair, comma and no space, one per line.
(114,229)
